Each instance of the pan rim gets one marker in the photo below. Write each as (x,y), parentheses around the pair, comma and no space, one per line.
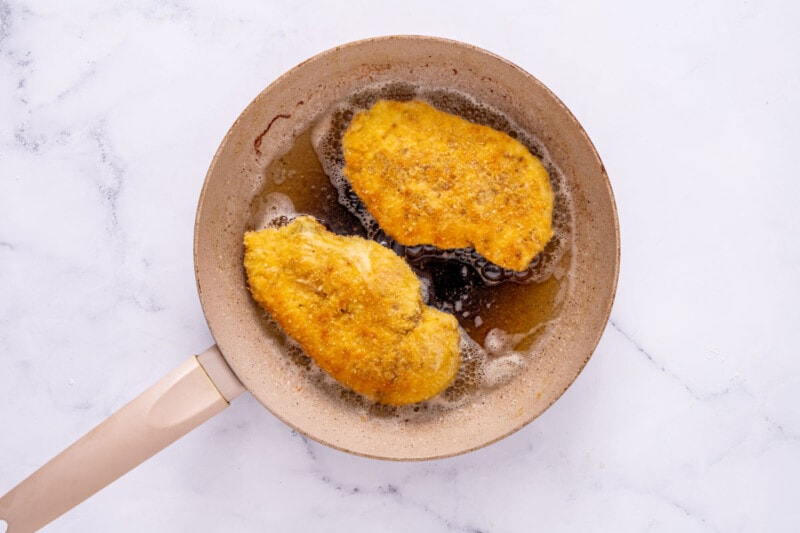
(608,302)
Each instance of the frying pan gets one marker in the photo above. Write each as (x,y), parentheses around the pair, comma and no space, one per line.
(247,356)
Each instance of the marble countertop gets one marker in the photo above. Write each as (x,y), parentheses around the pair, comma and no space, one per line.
(687,418)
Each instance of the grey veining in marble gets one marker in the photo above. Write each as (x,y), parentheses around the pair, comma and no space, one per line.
(686,418)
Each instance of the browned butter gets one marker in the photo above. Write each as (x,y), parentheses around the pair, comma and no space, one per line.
(503,321)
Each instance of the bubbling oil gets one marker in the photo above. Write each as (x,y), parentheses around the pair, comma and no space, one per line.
(503,315)
(327,141)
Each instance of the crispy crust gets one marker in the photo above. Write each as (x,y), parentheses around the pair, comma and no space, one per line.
(355,308)
(429,177)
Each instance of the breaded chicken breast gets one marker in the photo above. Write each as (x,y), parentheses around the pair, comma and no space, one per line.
(429,177)
(355,308)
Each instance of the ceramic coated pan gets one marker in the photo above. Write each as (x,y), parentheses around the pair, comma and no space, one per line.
(247,356)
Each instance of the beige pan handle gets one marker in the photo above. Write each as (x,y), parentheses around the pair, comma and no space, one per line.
(186,397)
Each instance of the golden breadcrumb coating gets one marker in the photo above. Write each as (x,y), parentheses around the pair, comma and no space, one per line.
(354,307)
(429,177)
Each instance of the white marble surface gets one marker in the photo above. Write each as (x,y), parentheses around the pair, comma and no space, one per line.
(687,418)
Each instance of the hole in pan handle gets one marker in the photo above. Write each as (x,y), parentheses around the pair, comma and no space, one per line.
(192,393)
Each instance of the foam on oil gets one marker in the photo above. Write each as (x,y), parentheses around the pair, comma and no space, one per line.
(504,315)
(327,141)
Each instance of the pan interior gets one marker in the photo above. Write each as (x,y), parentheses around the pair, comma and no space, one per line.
(283,115)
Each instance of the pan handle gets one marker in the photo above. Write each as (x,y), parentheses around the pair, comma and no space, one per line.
(192,393)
